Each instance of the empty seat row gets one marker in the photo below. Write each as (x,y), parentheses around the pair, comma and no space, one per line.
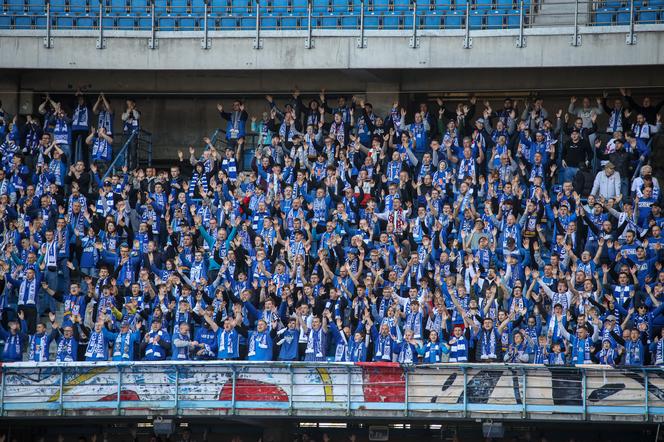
(243,7)
(620,16)
(495,19)
(617,4)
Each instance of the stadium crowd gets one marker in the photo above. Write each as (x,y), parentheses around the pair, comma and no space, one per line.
(454,234)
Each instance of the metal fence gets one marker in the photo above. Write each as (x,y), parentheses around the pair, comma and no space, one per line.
(218,388)
(363,18)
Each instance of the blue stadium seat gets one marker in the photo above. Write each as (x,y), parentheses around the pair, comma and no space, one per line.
(442,5)
(638,3)
(179,7)
(81,6)
(407,21)
(167,23)
(329,22)
(605,16)
(58,6)
(299,7)
(18,6)
(160,7)
(495,19)
(22,22)
(623,16)
(64,22)
(139,7)
(381,5)
(460,4)
(5,21)
(505,5)
(656,3)
(526,4)
(476,19)
(143,23)
(187,23)
(268,22)
(371,21)
(615,4)
(401,5)
(350,21)
(218,7)
(108,22)
(432,21)
(340,7)
(318,6)
(513,18)
(241,7)
(197,7)
(647,16)
(118,6)
(230,23)
(484,4)
(453,20)
(390,21)
(289,22)
(86,22)
(280,7)
(36,6)
(247,22)
(127,22)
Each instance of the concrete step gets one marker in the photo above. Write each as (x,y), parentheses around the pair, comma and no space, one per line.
(559,13)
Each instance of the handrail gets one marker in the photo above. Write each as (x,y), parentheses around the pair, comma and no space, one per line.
(120,154)
(469,390)
(304,364)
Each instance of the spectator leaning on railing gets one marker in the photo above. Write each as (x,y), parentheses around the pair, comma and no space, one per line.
(429,237)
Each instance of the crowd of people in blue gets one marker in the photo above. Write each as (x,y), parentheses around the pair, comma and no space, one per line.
(453,232)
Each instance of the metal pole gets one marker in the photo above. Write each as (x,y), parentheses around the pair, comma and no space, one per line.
(576,38)
(233,391)
(48,41)
(523,396)
(521,40)
(405,407)
(291,389)
(309,42)
(465,392)
(101,42)
(205,43)
(177,392)
(414,40)
(258,43)
(2,391)
(646,403)
(583,391)
(631,38)
(361,41)
(119,393)
(152,43)
(62,393)
(348,389)
(467,41)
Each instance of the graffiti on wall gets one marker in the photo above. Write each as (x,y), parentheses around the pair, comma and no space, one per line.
(365,383)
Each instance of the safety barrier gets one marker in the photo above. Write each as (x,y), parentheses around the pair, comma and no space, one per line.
(287,18)
(219,388)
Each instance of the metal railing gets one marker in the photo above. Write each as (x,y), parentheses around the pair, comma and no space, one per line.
(138,144)
(219,388)
(362,16)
